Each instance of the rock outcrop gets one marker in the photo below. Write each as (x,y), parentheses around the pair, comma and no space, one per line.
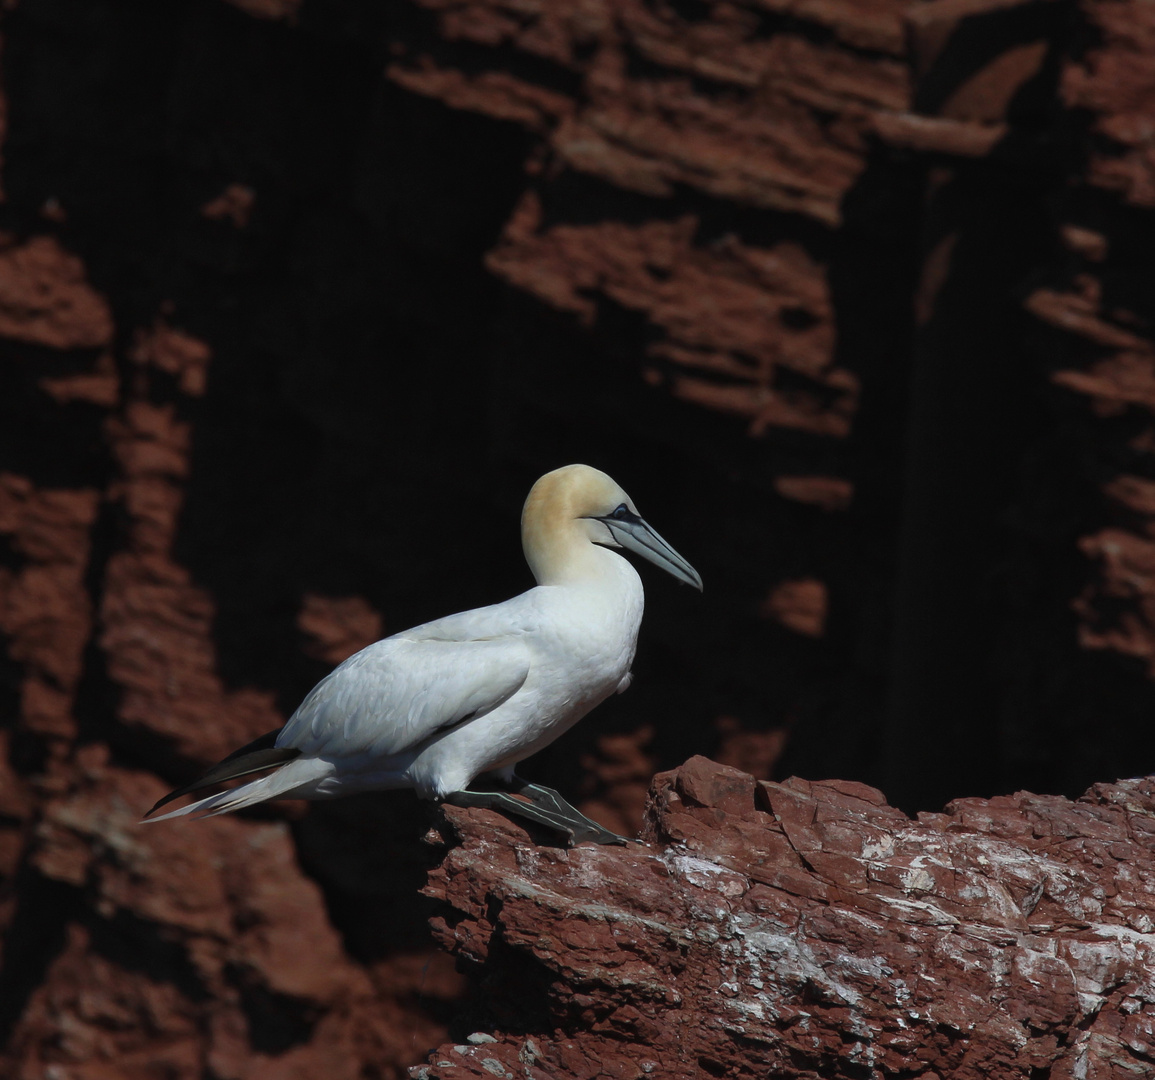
(805,930)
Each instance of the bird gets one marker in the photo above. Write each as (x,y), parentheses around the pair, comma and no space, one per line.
(449,708)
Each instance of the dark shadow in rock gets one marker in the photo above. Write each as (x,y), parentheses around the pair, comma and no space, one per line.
(35,936)
(367,853)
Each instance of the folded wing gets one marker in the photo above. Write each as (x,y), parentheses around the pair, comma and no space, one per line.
(396,693)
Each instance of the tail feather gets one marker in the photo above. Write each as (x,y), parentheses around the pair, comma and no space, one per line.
(258,756)
(261,753)
(283,782)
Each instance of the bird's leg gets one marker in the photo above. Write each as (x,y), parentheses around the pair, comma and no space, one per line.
(545,807)
(548,799)
(506,803)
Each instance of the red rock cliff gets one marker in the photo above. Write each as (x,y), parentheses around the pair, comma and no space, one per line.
(297,299)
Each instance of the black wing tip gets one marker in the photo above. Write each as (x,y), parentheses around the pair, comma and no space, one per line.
(176,793)
(163,802)
(258,755)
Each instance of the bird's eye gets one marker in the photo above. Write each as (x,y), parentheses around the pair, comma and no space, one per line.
(621,513)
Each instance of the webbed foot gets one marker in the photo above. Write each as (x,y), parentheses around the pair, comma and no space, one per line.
(545,807)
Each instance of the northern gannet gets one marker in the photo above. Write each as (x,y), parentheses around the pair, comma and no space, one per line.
(471,695)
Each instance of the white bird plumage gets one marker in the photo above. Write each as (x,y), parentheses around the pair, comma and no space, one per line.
(473,694)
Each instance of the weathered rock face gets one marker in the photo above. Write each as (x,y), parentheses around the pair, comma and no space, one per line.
(754,187)
(806,930)
(162,952)
(855,297)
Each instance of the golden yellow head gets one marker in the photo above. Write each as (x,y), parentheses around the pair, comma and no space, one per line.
(576,509)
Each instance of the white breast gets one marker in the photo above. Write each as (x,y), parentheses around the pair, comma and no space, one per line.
(581,647)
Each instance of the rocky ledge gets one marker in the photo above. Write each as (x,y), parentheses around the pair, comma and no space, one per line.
(809,930)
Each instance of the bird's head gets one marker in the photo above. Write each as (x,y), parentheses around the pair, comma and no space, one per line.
(576,506)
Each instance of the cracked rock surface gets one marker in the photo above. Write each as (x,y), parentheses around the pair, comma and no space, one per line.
(808,929)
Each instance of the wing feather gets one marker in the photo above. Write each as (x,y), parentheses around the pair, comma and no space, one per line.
(396,693)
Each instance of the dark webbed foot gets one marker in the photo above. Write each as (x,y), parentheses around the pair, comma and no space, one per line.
(550,800)
(546,807)
(508,804)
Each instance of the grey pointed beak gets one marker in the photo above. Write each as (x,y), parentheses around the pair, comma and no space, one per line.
(635,535)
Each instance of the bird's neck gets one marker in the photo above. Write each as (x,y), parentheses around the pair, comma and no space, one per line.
(568,557)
